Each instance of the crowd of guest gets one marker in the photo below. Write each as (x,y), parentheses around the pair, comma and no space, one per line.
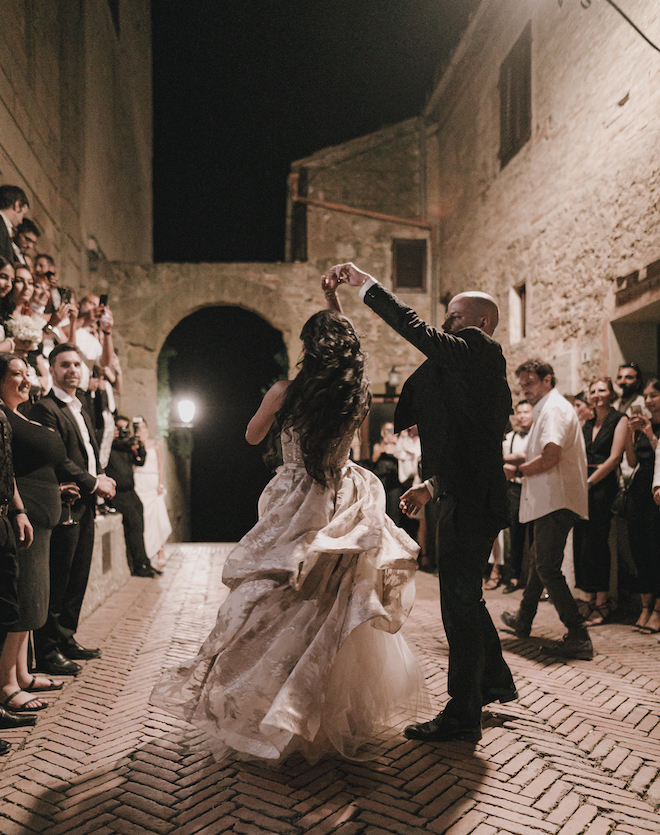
(618,444)
(66,457)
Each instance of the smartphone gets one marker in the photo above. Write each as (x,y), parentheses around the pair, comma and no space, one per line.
(137,420)
(103,300)
(65,295)
(636,409)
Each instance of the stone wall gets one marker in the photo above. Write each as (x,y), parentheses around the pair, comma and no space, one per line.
(75,126)
(577,206)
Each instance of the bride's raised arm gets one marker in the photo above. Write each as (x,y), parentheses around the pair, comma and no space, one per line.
(263,418)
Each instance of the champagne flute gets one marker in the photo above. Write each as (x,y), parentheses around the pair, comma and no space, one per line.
(70,494)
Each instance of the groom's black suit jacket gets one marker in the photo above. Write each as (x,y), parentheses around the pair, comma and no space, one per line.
(460,400)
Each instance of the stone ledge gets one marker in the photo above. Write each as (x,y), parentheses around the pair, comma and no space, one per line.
(109,571)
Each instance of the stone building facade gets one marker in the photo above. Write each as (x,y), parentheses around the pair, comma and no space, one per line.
(75,127)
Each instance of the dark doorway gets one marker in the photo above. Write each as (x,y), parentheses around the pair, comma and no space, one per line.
(225,358)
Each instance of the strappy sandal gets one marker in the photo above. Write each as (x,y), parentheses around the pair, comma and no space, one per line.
(24,707)
(52,685)
(604,611)
(650,630)
(639,626)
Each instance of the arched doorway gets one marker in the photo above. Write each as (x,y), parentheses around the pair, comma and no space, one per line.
(224,358)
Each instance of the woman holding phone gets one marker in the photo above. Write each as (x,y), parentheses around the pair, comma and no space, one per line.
(641,510)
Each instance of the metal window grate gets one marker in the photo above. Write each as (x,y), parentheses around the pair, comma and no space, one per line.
(409,263)
(516,97)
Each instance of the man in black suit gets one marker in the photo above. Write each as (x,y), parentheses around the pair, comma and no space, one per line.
(460,400)
(13,206)
(71,546)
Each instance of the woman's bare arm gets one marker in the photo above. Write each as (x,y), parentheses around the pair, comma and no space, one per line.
(258,427)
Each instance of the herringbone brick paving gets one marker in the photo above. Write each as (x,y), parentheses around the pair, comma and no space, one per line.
(579,752)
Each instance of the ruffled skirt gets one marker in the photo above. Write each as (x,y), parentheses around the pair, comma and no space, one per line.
(306,654)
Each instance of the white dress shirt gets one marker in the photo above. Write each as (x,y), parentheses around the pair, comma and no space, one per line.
(565,484)
(75,407)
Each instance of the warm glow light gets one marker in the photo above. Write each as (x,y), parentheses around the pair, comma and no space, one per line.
(186,411)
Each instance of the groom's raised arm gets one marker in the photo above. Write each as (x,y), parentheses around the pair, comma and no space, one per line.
(442,347)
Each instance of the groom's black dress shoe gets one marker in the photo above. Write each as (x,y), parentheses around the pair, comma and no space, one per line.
(73,650)
(499,694)
(438,731)
(57,665)
(9,721)
(4,746)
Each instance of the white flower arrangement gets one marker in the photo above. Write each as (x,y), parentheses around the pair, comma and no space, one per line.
(26,329)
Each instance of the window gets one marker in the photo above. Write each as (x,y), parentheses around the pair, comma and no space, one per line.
(516,97)
(517,313)
(409,264)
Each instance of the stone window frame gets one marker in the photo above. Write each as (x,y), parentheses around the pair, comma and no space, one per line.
(515,86)
(402,247)
(518,313)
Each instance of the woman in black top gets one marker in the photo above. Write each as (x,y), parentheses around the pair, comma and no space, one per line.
(36,452)
(642,512)
(605,437)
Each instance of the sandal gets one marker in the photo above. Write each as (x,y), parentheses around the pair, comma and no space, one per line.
(602,614)
(492,583)
(639,626)
(24,707)
(52,685)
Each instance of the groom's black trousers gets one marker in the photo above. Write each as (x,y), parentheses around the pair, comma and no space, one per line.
(464,538)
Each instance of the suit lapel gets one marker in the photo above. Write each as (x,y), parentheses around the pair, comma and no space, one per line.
(68,416)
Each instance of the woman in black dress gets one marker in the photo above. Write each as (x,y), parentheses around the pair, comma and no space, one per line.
(642,512)
(36,451)
(605,437)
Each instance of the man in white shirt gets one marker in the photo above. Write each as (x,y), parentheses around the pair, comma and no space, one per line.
(13,206)
(554,497)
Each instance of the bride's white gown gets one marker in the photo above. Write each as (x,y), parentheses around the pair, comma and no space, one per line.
(306,653)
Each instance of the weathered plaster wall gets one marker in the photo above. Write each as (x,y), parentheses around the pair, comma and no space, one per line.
(578,205)
(75,125)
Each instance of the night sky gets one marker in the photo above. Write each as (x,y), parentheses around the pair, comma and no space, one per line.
(243,89)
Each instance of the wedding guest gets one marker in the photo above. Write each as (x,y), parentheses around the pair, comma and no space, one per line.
(128,452)
(582,407)
(6,304)
(36,452)
(23,290)
(605,438)
(13,208)
(514,450)
(71,548)
(25,237)
(386,467)
(15,529)
(44,265)
(629,380)
(554,497)
(150,488)
(641,511)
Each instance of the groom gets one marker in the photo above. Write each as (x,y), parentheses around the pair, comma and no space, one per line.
(460,400)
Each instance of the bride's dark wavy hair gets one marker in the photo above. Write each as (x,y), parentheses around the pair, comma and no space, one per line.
(330,394)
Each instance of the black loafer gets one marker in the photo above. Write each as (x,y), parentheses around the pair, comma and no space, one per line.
(147,571)
(4,746)
(438,731)
(57,665)
(10,721)
(74,651)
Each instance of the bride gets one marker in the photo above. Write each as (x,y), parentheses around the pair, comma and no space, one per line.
(306,654)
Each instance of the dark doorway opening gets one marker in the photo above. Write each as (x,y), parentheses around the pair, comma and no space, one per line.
(225,358)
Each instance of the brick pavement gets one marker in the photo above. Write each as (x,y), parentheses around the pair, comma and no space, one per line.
(578,753)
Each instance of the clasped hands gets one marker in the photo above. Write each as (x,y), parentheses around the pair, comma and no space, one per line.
(343,274)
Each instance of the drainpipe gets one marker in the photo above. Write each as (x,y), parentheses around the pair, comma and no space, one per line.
(350,210)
